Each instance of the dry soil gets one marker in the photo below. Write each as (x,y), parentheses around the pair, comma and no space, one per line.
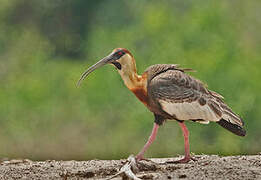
(206,167)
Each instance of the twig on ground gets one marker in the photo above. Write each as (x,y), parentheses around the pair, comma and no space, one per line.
(128,169)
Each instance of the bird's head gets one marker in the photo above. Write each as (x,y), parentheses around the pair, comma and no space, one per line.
(121,58)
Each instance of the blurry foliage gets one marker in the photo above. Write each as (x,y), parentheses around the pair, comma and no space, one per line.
(44,116)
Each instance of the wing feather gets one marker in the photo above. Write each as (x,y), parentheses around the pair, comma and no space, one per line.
(189,111)
(187,98)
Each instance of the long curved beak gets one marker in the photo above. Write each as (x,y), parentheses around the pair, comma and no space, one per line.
(100,63)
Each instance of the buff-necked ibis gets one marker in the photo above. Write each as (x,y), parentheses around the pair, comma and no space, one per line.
(171,94)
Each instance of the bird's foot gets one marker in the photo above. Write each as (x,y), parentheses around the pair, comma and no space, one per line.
(186,159)
(140,157)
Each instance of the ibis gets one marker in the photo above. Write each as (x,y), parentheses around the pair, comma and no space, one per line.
(171,94)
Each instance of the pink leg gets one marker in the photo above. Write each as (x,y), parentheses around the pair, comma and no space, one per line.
(186,139)
(187,157)
(152,137)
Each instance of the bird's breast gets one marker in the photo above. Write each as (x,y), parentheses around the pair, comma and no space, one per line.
(141,94)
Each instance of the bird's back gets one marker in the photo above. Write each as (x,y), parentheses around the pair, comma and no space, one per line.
(173,93)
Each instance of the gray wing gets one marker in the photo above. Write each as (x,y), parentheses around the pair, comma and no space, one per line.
(187,98)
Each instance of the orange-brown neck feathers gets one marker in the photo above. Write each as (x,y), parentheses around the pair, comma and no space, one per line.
(136,83)
(140,88)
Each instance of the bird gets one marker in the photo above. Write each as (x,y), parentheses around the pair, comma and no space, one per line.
(170,93)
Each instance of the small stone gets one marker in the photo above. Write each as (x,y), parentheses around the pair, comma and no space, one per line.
(183,176)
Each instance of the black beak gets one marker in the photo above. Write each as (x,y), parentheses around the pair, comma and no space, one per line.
(100,63)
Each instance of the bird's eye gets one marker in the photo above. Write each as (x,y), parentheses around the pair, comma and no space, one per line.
(118,54)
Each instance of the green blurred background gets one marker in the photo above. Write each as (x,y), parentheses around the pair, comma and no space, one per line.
(46,45)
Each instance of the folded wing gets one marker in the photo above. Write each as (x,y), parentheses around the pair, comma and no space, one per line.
(186,98)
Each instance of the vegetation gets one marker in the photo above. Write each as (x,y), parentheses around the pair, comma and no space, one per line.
(46,45)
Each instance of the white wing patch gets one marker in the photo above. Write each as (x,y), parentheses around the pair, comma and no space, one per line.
(189,111)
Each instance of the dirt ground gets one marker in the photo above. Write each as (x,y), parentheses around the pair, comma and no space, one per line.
(206,167)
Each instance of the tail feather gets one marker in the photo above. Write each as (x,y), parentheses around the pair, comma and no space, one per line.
(228,119)
(234,128)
